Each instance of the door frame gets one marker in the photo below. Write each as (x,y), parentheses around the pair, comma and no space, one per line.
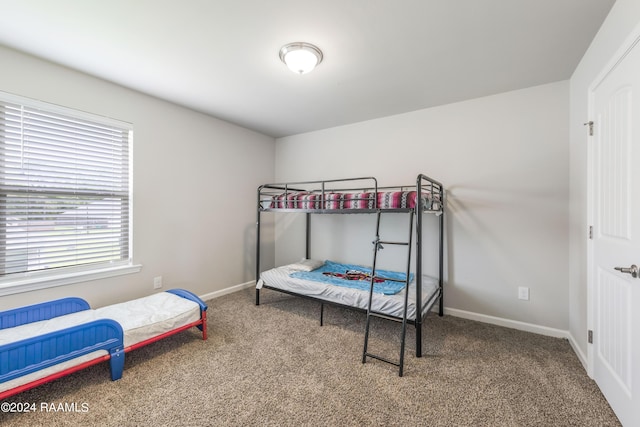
(625,48)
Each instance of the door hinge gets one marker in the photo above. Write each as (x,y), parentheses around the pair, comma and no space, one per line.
(590,336)
(590,124)
(591,232)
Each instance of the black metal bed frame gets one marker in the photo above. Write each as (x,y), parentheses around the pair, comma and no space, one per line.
(434,205)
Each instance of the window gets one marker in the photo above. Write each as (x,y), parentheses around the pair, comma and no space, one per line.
(65,196)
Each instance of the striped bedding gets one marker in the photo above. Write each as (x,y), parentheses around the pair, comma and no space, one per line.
(335,200)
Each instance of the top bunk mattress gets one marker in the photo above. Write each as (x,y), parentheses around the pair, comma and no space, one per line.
(352,195)
(340,200)
(392,305)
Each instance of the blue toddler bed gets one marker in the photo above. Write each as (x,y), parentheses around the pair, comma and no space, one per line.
(42,342)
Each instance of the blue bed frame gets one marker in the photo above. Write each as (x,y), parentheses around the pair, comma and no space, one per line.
(33,354)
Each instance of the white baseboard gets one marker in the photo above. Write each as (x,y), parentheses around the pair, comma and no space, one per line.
(576,349)
(229,290)
(513,324)
(522,326)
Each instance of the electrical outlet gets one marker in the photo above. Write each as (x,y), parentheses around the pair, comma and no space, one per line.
(523,293)
(157,282)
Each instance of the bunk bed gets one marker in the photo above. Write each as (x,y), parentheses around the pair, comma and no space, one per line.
(419,292)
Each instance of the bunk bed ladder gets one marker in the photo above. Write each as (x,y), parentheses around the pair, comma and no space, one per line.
(378,245)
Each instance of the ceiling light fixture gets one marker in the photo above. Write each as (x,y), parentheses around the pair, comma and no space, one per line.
(300,57)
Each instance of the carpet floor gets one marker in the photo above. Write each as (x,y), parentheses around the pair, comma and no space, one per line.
(274,365)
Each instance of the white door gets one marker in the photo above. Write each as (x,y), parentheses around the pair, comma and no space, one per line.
(615,192)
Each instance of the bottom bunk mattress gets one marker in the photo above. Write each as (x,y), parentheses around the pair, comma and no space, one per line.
(141,319)
(280,278)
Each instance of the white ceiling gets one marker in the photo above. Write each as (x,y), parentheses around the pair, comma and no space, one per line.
(381,57)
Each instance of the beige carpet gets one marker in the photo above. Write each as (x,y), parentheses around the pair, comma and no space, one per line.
(274,365)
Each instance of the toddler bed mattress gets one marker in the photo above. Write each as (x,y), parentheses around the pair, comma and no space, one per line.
(392,305)
(141,319)
(150,316)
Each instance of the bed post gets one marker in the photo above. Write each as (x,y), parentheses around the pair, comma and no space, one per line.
(419,207)
(308,237)
(258,246)
(441,266)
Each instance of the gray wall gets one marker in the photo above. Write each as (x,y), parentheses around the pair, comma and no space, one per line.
(193,181)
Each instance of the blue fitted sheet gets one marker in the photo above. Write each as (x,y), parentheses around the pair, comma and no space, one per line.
(386,287)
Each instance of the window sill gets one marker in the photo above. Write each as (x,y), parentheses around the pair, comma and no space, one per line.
(26,284)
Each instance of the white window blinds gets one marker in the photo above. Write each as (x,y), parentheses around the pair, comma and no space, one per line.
(64,188)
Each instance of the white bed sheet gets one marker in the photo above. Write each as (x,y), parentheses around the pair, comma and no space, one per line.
(391,305)
(140,319)
(147,317)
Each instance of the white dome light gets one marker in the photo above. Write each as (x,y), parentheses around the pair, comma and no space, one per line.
(300,57)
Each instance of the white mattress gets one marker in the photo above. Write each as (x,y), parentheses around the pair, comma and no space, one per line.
(140,319)
(391,305)
(151,316)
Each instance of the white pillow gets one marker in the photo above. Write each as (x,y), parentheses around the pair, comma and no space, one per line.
(306,265)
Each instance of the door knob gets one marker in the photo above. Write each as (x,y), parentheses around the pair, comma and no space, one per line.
(633,270)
